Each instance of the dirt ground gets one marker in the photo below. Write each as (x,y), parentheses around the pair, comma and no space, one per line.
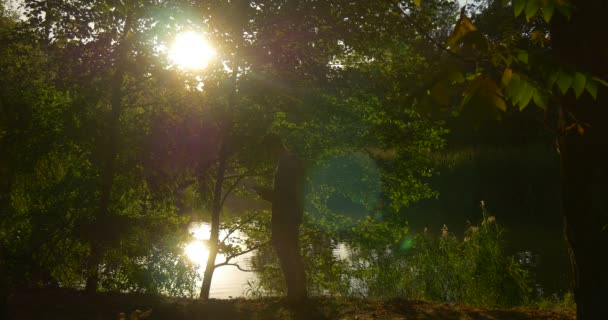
(70,304)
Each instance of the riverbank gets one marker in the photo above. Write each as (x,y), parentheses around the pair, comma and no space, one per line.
(69,304)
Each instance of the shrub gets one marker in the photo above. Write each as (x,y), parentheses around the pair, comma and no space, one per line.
(474,270)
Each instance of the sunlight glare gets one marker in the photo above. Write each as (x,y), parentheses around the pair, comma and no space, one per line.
(197,252)
(200,231)
(191,51)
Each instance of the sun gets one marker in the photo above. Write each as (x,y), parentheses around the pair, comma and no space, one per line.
(191,51)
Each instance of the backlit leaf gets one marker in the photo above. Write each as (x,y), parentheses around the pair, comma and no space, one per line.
(499,102)
(527,94)
(483,99)
(564,81)
(463,27)
(579,83)
(548,10)
(515,89)
(506,76)
(518,7)
(540,99)
(522,55)
(592,88)
(580,129)
(552,79)
(532,8)
(417,2)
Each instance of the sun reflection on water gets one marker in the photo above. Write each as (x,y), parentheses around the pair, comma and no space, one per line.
(227,282)
(197,252)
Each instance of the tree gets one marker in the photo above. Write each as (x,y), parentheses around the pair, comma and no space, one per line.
(27,100)
(106,66)
(584,154)
(555,66)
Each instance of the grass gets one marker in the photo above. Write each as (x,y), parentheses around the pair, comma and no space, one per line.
(69,304)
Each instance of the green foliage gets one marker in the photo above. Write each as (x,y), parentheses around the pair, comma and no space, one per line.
(374,257)
(529,73)
(474,270)
(94,177)
(566,301)
(547,7)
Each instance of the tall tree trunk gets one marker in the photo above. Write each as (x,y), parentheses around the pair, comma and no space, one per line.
(215,222)
(102,222)
(580,43)
(585,206)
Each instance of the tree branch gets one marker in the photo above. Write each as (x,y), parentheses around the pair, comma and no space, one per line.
(249,174)
(235,265)
(440,46)
(231,188)
(237,227)
(228,258)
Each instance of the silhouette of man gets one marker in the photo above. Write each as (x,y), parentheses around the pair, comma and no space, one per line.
(287,213)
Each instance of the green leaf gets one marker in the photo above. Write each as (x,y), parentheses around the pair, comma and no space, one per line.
(499,102)
(506,76)
(518,7)
(532,8)
(592,88)
(603,82)
(548,11)
(526,96)
(522,55)
(417,2)
(541,100)
(517,89)
(505,3)
(552,79)
(564,81)
(579,83)
(514,89)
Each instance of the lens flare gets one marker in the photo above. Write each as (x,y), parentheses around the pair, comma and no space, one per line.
(191,51)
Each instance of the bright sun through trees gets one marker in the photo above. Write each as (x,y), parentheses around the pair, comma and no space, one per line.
(191,51)
(196,250)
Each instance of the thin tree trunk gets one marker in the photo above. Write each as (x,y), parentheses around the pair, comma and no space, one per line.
(579,43)
(216,210)
(102,223)
(215,222)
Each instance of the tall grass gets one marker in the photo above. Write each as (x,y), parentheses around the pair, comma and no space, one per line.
(473,269)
